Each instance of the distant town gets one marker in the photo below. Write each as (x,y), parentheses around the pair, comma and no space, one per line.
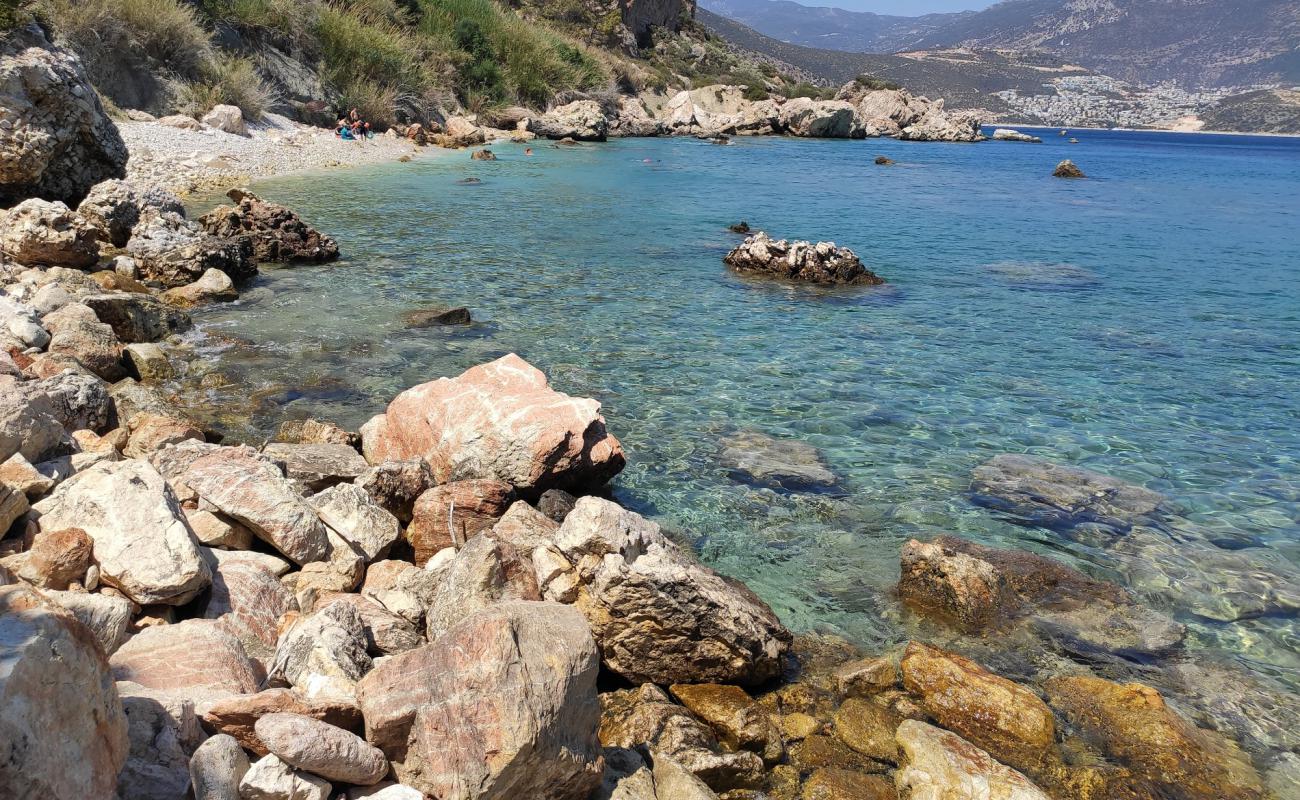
(1102,101)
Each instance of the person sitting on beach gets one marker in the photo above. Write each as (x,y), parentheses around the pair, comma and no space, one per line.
(345,131)
(358,130)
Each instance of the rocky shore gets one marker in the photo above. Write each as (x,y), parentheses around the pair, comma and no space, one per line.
(444,604)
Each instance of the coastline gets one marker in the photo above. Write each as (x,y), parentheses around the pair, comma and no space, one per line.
(1018,125)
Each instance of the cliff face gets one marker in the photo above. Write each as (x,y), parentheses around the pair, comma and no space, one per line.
(640,16)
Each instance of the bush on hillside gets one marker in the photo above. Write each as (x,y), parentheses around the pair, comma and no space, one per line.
(228,80)
(167,31)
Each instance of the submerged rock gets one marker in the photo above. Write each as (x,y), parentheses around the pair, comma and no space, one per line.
(437,315)
(939,765)
(784,463)
(802,261)
(277,233)
(500,420)
(1046,493)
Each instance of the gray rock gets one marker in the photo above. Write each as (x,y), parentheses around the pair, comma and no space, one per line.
(164,732)
(820,263)
(174,252)
(59,141)
(396,485)
(485,572)
(272,779)
(1045,493)
(28,424)
(217,767)
(581,120)
(324,654)
(783,463)
(318,466)
(138,317)
(321,749)
(81,402)
(351,513)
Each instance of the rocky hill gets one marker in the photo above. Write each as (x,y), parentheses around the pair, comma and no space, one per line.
(1198,43)
(1264,111)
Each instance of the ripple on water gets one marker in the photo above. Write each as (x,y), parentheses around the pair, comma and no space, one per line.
(1094,325)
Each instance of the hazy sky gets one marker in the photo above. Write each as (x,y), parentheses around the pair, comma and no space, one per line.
(910,8)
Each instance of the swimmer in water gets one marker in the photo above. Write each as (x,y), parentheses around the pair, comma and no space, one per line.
(528,151)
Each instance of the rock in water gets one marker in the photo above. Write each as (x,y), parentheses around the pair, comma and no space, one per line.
(581,120)
(500,420)
(784,463)
(884,161)
(142,543)
(939,765)
(483,155)
(63,734)
(58,141)
(1068,169)
(277,233)
(739,227)
(438,315)
(1010,135)
(502,706)
(1046,493)
(801,261)
(658,614)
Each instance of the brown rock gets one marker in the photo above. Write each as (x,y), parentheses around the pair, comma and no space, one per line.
(321,749)
(1067,169)
(195,654)
(318,466)
(845,784)
(484,572)
(739,722)
(396,485)
(248,600)
(1132,724)
(237,716)
(277,233)
(438,315)
(63,730)
(866,677)
(57,558)
(818,751)
(18,473)
(957,586)
(13,504)
(311,431)
(151,432)
(501,421)
(868,728)
(940,764)
(469,506)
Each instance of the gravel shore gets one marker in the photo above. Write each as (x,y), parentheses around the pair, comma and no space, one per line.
(188,161)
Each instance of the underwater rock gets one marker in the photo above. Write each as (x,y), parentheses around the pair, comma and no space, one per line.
(783,463)
(1045,493)
(437,315)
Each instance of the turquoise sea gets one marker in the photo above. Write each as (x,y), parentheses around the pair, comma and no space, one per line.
(1144,323)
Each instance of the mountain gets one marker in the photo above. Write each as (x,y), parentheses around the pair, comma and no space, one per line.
(1197,43)
(832,28)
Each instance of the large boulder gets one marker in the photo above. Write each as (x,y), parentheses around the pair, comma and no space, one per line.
(351,513)
(227,119)
(583,120)
(172,251)
(47,234)
(1046,493)
(196,655)
(823,119)
(512,709)
(114,208)
(164,732)
(485,572)
(822,262)
(322,749)
(28,424)
(63,734)
(468,507)
(1132,724)
(78,334)
(248,488)
(499,420)
(939,765)
(217,767)
(277,233)
(248,601)
(324,655)
(657,613)
(237,715)
(142,543)
(57,141)
(136,317)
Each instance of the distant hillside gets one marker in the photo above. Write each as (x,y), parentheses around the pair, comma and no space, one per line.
(1276,111)
(832,28)
(964,79)
(1198,43)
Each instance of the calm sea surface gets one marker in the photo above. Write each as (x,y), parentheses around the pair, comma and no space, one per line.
(1144,323)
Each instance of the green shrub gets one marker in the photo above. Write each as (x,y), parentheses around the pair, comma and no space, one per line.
(229,80)
(10,14)
(755,92)
(166,31)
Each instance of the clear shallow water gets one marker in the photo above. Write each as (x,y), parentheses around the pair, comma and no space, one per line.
(1144,323)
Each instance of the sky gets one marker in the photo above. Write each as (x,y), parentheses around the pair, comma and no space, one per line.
(907,8)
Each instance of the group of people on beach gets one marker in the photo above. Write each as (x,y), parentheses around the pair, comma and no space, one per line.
(353,127)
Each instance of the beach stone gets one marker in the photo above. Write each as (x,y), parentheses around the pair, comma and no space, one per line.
(248,489)
(56,558)
(137,317)
(43,233)
(226,118)
(194,654)
(151,433)
(739,722)
(107,616)
(18,474)
(213,530)
(142,543)
(277,234)
(351,513)
(248,600)
(386,632)
(556,504)
(113,281)
(868,728)
(272,779)
(80,401)
(865,677)
(321,749)
(470,507)
(939,765)
(1132,724)
(58,141)
(658,614)
(581,120)
(112,207)
(396,485)
(438,315)
(237,715)
(514,710)
(646,717)
(173,251)
(318,466)
(64,730)
(312,431)
(88,342)
(502,421)
(217,767)
(28,425)
(324,654)
(485,572)
(1067,169)
(1045,493)
(13,505)
(1009,721)
(213,286)
(823,262)
(780,463)
(148,363)
(164,732)
(385,791)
